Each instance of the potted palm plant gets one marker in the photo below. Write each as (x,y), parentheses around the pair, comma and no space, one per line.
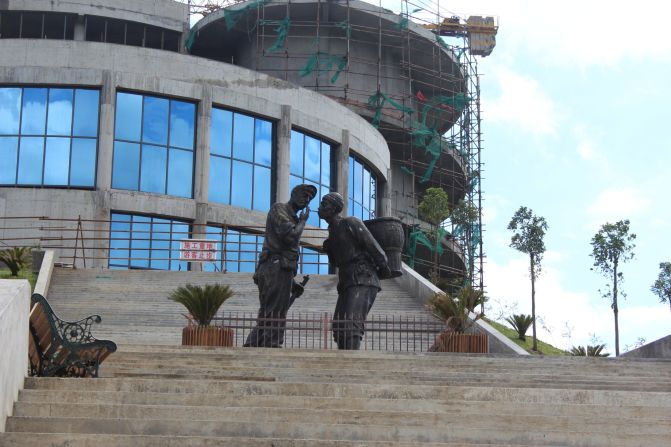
(457,311)
(202,303)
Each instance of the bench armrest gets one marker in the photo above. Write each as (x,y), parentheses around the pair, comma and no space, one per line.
(71,331)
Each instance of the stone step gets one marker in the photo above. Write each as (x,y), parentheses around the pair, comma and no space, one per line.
(48,403)
(344,390)
(657,424)
(114,440)
(474,430)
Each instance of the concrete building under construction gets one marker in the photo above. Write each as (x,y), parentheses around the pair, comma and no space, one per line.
(127,126)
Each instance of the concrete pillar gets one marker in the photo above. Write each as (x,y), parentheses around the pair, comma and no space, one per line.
(102,194)
(385,196)
(283,155)
(80,28)
(342,169)
(201,179)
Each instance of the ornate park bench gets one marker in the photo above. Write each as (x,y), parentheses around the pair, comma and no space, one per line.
(63,348)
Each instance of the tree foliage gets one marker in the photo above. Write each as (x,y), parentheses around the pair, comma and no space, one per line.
(434,206)
(589,351)
(662,286)
(464,214)
(201,302)
(15,258)
(454,309)
(528,233)
(611,246)
(521,324)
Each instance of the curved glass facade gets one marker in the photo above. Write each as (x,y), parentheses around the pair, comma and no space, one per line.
(237,251)
(48,136)
(362,191)
(154,140)
(241,149)
(146,242)
(311,163)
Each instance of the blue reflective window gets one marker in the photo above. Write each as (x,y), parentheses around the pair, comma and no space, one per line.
(362,190)
(162,131)
(312,263)
(240,160)
(237,251)
(40,150)
(8,155)
(311,163)
(146,242)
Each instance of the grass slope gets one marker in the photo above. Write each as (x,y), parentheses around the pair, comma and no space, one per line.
(23,274)
(543,348)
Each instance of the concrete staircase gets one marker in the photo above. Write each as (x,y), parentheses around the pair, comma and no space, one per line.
(187,397)
(134,307)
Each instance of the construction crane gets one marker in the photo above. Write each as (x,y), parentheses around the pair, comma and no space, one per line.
(479,30)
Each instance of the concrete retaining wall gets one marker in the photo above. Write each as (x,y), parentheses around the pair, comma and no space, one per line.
(422,289)
(14,310)
(658,349)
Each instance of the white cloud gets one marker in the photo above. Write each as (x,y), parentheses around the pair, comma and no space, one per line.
(522,102)
(616,204)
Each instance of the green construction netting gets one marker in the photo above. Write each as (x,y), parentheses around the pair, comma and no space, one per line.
(282,30)
(419,236)
(233,15)
(327,61)
(402,24)
(345,26)
(378,100)
(191,39)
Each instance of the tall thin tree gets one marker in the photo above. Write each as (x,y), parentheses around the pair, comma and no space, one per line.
(611,246)
(529,231)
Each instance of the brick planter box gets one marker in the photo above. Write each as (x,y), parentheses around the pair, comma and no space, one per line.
(207,336)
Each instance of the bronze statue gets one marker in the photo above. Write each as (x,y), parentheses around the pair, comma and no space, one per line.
(361,263)
(277,267)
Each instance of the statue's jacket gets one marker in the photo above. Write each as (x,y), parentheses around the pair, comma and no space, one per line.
(356,253)
(281,240)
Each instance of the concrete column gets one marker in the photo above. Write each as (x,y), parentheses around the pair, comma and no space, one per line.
(385,196)
(80,29)
(342,168)
(104,170)
(201,179)
(283,157)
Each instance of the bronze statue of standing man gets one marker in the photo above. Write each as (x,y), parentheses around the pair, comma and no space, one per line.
(361,263)
(277,267)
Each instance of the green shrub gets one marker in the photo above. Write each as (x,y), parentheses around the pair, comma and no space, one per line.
(201,302)
(589,351)
(521,323)
(454,309)
(15,258)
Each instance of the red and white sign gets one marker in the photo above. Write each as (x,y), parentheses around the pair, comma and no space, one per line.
(197,250)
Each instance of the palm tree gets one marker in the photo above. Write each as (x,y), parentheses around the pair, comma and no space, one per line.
(14,258)
(454,309)
(520,323)
(202,302)
(590,351)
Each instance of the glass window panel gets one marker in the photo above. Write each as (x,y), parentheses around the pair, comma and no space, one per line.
(312,159)
(152,172)
(221,128)
(179,232)
(350,178)
(8,154)
(83,164)
(261,188)
(263,142)
(310,261)
(180,173)
(141,236)
(87,104)
(182,124)
(160,244)
(220,184)
(126,166)
(10,110)
(323,264)
(120,239)
(243,137)
(128,116)
(155,120)
(34,114)
(31,152)
(59,120)
(373,196)
(358,211)
(350,208)
(313,219)
(326,164)
(241,188)
(293,182)
(357,193)
(232,251)
(366,189)
(296,165)
(57,161)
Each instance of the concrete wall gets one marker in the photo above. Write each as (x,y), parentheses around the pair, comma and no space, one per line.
(658,349)
(14,311)
(422,290)
(167,14)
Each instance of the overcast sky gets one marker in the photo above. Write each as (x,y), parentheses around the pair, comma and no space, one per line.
(576,99)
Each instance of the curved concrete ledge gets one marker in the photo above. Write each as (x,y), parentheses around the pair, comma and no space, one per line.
(44,276)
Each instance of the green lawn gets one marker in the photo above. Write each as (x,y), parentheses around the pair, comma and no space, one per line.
(543,348)
(23,274)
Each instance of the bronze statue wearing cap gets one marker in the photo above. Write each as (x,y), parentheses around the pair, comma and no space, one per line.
(277,267)
(361,263)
